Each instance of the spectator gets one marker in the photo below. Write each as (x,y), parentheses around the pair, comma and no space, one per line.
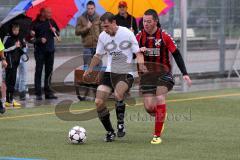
(4,64)
(44,29)
(14,46)
(123,18)
(88,27)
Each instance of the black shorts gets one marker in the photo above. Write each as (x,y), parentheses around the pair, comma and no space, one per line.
(150,81)
(112,79)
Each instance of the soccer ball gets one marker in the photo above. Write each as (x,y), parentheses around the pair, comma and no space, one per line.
(77,135)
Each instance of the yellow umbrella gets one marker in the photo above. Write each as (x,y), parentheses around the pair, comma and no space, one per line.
(136,7)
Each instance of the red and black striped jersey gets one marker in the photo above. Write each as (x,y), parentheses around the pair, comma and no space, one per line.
(160,45)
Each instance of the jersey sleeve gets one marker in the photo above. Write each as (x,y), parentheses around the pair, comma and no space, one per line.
(100,46)
(1,46)
(169,42)
(138,37)
(135,46)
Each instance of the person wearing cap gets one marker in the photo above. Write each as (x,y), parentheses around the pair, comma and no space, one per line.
(124,19)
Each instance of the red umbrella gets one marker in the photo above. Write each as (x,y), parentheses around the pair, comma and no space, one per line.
(62,10)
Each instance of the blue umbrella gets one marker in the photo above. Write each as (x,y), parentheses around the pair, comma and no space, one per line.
(17,15)
(82,5)
(20,8)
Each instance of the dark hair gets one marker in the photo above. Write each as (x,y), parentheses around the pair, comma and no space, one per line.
(90,3)
(108,16)
(154,14)
(15,25)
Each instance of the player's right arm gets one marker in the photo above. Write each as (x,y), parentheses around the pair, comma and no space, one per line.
(139,54)
(94,62)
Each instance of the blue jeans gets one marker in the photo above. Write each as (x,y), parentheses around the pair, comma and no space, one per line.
(88,54)
(21,82)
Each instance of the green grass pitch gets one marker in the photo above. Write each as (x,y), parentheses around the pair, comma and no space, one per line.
(196,129)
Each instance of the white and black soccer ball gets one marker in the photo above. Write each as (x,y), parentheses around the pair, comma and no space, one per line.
(77,135)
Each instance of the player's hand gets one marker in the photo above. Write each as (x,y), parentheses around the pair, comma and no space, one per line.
(143,68)
(89,25)
(143,49)
(87,73)
(4,63)
(32,33)
(43,40)
(53,29)
(18,44)
(131,29)
(188,80)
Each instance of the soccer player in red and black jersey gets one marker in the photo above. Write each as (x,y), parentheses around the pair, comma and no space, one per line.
(157,47)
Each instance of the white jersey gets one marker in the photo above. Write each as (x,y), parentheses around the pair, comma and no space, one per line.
(119,50)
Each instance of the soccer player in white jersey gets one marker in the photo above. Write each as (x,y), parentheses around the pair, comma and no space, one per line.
(119,44)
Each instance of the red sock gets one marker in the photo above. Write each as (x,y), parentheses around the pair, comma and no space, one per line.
(160,115)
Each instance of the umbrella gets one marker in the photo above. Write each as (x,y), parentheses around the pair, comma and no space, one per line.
(62,10)
(17,15)
(82,5)
(20,8)
(24,23)
(138,7)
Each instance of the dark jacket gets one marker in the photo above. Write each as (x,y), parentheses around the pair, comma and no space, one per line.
(11,52)
(89,35)
(42,30)
(128,22)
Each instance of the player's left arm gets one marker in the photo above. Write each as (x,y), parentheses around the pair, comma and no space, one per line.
(172,47)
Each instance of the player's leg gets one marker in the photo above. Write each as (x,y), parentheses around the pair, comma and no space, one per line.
(120,89)
(149,98)
(122,83)
(102,95)
(160,114)
(148,87)
(165,85)
(149,103)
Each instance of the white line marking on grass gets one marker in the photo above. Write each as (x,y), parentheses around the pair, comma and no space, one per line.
(138,104)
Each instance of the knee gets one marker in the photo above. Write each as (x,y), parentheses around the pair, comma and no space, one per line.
(150,109)
(161,99)
(99,103)
(119,97)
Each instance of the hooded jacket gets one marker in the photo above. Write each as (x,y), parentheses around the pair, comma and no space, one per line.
(11,52)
